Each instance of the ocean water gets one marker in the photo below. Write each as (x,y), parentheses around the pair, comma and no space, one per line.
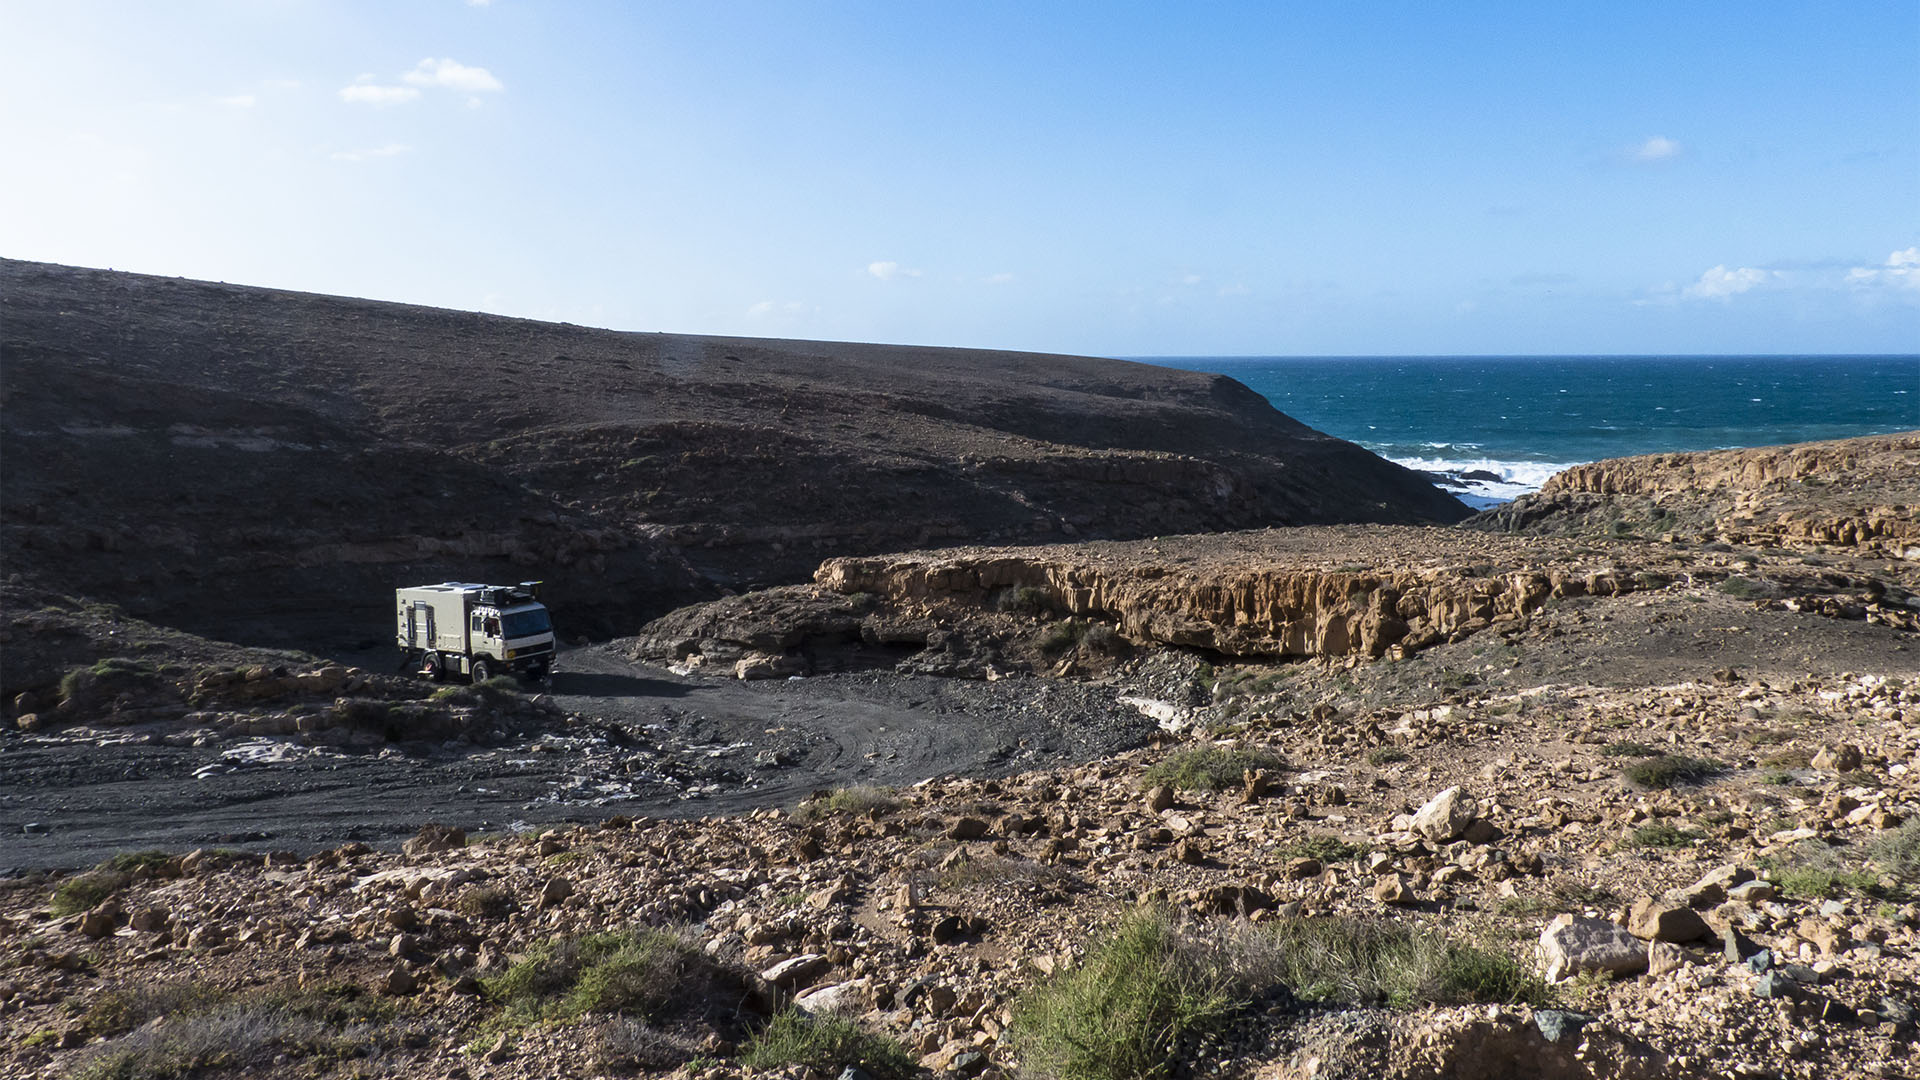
(1495,427)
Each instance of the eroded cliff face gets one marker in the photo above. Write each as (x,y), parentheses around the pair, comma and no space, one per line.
(1261,607)
(1850,492)
(1291,593)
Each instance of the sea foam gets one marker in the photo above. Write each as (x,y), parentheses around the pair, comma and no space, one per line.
(1509,479)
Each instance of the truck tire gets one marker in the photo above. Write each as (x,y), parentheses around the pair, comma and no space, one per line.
(430,665)
(480,672)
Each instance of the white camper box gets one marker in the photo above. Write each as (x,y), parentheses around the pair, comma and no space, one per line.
(474,630)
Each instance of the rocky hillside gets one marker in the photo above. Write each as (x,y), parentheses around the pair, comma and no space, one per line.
(1861,493)
(1701,879)
(267,465)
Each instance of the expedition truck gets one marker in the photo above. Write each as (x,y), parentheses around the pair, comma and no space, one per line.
(474,630)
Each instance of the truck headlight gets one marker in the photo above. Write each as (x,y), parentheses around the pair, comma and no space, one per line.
(511,653)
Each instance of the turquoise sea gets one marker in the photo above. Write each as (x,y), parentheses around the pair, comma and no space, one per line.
(1498,426)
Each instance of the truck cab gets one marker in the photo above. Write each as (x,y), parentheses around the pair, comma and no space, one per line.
(463,628)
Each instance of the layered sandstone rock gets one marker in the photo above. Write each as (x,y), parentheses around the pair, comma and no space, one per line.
(1332,591)
(1249,594)
(1861,492)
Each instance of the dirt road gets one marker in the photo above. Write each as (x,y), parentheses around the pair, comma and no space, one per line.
(646,742)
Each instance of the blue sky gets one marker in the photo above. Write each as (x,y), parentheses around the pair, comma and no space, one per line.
(1206,178)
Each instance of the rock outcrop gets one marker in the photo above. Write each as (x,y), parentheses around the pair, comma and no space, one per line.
(1330,592)
(1862,492)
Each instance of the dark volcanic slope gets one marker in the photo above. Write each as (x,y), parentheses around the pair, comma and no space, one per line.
(267,465)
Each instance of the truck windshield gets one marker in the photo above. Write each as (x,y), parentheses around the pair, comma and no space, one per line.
(526,623)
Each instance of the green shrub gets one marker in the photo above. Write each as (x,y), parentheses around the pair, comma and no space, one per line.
(1898,851)
(1821,883)
(1745,588)
(1122,1014)
(1661,834)
(859,799)
(1563,895)
(646,973)
(1327,849)
(486,902)
(1210,768)
(989,869)
(1631,749)
(1386,755)
(1062,636)
(208,1030)
(1814,871)
(825,1044)
(133,861)
(1344,960)
(121,1010)
(1103,639)
(84,891)
(1669,769)
(1022,600)
(623,1045)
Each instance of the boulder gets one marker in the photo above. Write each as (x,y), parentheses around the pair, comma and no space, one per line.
(1657,920)
(797,971)
(1838,757)
(101,921)
(1393,889)
(967,828)
(1711,890)
(1446,815)
(434,838)
(850,998)
(1664,956)
(399,982)
(150,920)
(1572,944)
(763,666)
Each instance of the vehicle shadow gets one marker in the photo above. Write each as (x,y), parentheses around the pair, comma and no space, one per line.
(589,684)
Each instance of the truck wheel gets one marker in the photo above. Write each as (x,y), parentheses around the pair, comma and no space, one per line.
(480,672)
(430,666)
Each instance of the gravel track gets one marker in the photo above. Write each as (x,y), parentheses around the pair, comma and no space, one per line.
(649,743)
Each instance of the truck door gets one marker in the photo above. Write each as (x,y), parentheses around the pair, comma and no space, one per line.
(421,629)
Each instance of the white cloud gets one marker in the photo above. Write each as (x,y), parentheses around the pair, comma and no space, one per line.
(998,279)
(370,153)
(1191,279)
(478,3)
(1657,148)
(768,309)
(378,96)
(887,270)
(453,75)
(1900,271)
(1236,289)
(1721,283)
(236,101)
